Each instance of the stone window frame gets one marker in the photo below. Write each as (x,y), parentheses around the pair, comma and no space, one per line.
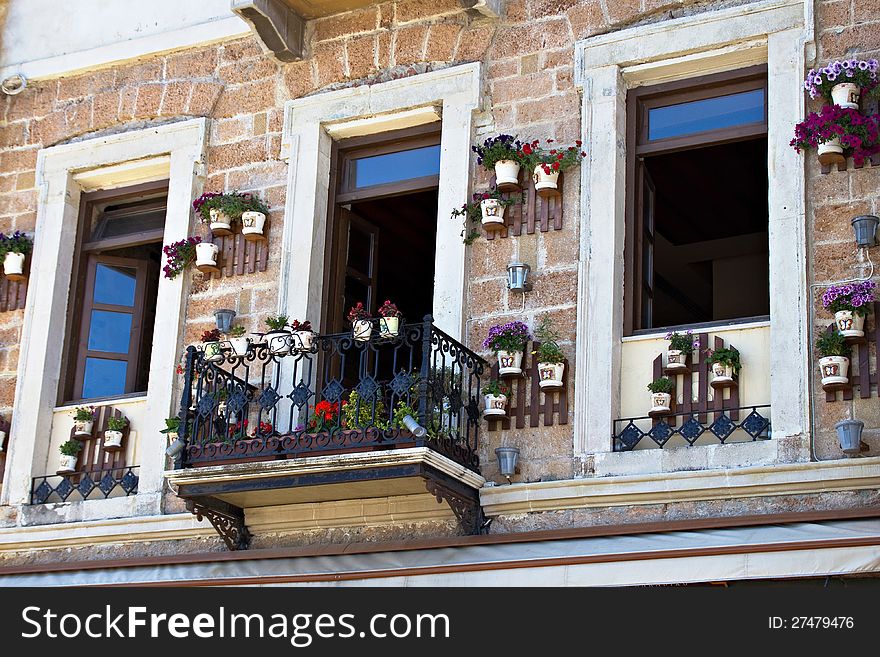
(175,152)
(449,95)
(772,32)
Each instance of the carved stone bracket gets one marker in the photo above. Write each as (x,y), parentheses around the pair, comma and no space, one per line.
(227,519)
(464,502)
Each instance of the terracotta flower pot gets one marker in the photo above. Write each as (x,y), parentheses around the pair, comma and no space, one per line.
(550,375)
(850,324)
(834,370)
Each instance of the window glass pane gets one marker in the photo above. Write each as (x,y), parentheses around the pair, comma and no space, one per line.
(391,167)
(115,285)
(360,248)
(708,114)
(104,378)
(109,332)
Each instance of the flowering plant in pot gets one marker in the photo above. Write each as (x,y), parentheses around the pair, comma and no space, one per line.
(359,412)
(547,162)
(69,451)
(486,208)
(113,434)
(221,210)
(681,345)
(725,364)
(239,342)
(850,303)
(13,249)
(842,81)
(837,131)
(325,417)
(303,335)
(389,324)
(661,395)
(181,254)
(508,342)
(361,324)
(83,420)
(495,399)
(277,335)
(503,155)
(551,359)
(262,430)
(211,345)
(834,352)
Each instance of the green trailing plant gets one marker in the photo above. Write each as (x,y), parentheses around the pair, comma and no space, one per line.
(549,350)
(84,413)
(277,322)
(494,387)
(725,356)
(359,413)
(473,213)
(232,204)
(117,423)
(179,255)
(70,447)
(237,331)
(663,384)
(172,425)
(832,343)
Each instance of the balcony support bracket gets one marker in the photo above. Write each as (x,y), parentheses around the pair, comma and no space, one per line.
(227,519)
(463,500)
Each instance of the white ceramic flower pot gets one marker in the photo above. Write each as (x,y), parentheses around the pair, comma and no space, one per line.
(252,224)
(83,427)
(850,324)
(67,463)
(660,402)
(389,326)
(506,173)
(361,330)
(493,214)
(13,266)
(546,182)
(213,351)
(278,342)
(303,340)
(722,373)
(675,359)
(240,345)
(831,152)
(2,441)
(550,375)
(206,255)
(509,363)
(834,369)
(846,94)
(221,223)
(112,438)
(495,405)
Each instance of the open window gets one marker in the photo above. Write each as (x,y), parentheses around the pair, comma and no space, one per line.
(113,293)
(697,248)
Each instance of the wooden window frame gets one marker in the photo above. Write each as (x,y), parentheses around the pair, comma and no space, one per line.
(72,362)
(638,102)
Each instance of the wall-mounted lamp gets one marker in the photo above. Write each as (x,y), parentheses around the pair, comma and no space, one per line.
(224,318)
(865,229)
(414,427)
(849,433)
(518,277)
(507,458)
(175,448)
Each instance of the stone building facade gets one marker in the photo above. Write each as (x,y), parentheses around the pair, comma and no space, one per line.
(216,111)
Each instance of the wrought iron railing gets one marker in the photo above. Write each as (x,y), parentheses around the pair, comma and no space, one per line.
(81,486)
(285,397)
(723,425)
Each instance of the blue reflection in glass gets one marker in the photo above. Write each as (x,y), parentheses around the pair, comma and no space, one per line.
(391,167)
(709,114)
(104,378)
(109,331)
(115,285)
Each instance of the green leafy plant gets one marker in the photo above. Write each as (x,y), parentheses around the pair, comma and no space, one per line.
(277,322)
(220,394)
(549,350)
(495,149)
(70,447)
(683,342)
(179,255)
(494,387)
(84,413)
(232,204)
(832,343)
(172,425)
(17,242)
(725,356)
(117,423)
(237,331)
(359,413)
(401,410)
(663,384)
(473,213)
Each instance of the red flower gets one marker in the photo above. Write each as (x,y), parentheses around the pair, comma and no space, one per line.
(556,166)
(579,143)
(553,152)
(527,149)
(549,141)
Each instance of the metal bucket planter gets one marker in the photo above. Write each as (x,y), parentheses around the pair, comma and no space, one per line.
(507,460)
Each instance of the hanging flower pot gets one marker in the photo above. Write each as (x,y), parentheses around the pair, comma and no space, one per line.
(67,463)
(660,402)
(492,211)
(220,223)
(550,375)
(252,224)
(495,405)
(278,342)
(238,341)
(846,94)
(389,320)
(206,256)
(112,438)
(13,266)
(546,184)
(83,420)
(507,173)
(722,373)
(834,370)
(850,324)
(361,330)
(830,152)
(510,363)
(211,349)
(675,359)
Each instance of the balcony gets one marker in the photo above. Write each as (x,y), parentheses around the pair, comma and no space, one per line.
(297,418)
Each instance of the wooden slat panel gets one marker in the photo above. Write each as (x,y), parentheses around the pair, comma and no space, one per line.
(251,256)
(718,396)
(545,216)
(703,378)
(530,205)
(562,410)
(520,383)
(656,373)
(227,249)
(240,253)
